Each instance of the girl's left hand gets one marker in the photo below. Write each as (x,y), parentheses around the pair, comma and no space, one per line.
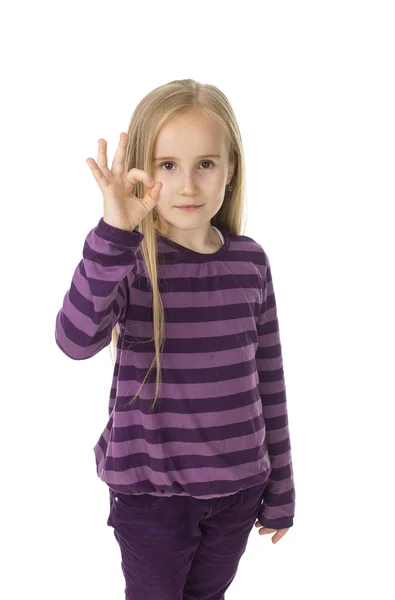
(278,535)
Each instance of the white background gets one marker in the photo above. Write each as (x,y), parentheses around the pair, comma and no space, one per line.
(312,86)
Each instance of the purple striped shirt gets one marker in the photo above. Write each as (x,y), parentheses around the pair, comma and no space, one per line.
(220,422)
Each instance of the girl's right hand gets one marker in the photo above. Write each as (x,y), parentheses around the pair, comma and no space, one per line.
(121,209)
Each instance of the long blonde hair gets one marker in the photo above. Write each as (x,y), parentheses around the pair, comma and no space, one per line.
(153,111)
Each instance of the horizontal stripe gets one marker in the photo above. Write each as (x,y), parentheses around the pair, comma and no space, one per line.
(220,423)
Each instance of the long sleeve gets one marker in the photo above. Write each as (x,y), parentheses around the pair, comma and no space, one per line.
(98,294)
(277,509)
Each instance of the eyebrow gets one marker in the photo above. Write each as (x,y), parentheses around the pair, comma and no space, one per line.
(175,157)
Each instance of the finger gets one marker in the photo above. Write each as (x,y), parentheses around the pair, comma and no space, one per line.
(150,200)
(102,156)
(266,530)
(118,164)
(97,173)
(135,175)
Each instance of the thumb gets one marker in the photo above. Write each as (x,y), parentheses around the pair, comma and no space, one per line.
(152,196)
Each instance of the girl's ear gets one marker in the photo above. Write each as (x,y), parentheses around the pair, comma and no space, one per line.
(231,171)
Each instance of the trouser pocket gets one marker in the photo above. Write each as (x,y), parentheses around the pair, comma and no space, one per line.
(125,506)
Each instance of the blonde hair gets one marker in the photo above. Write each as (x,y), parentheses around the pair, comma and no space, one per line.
(153,111)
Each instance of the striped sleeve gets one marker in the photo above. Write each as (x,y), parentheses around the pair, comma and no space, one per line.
(277,509)
(98,294)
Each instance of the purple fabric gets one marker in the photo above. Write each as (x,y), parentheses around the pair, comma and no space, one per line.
(220,423)
(182,548)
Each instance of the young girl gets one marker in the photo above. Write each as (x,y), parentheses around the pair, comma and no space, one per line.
(197,446)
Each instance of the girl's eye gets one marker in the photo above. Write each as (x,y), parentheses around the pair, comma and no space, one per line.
(171,163)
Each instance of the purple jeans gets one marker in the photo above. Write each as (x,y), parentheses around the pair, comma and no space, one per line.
(180,547)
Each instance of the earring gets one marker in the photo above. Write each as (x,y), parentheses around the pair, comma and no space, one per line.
(230,188)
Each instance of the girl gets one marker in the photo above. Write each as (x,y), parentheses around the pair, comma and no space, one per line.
(168,278)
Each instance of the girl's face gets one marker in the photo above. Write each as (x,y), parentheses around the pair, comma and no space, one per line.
(184,160)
